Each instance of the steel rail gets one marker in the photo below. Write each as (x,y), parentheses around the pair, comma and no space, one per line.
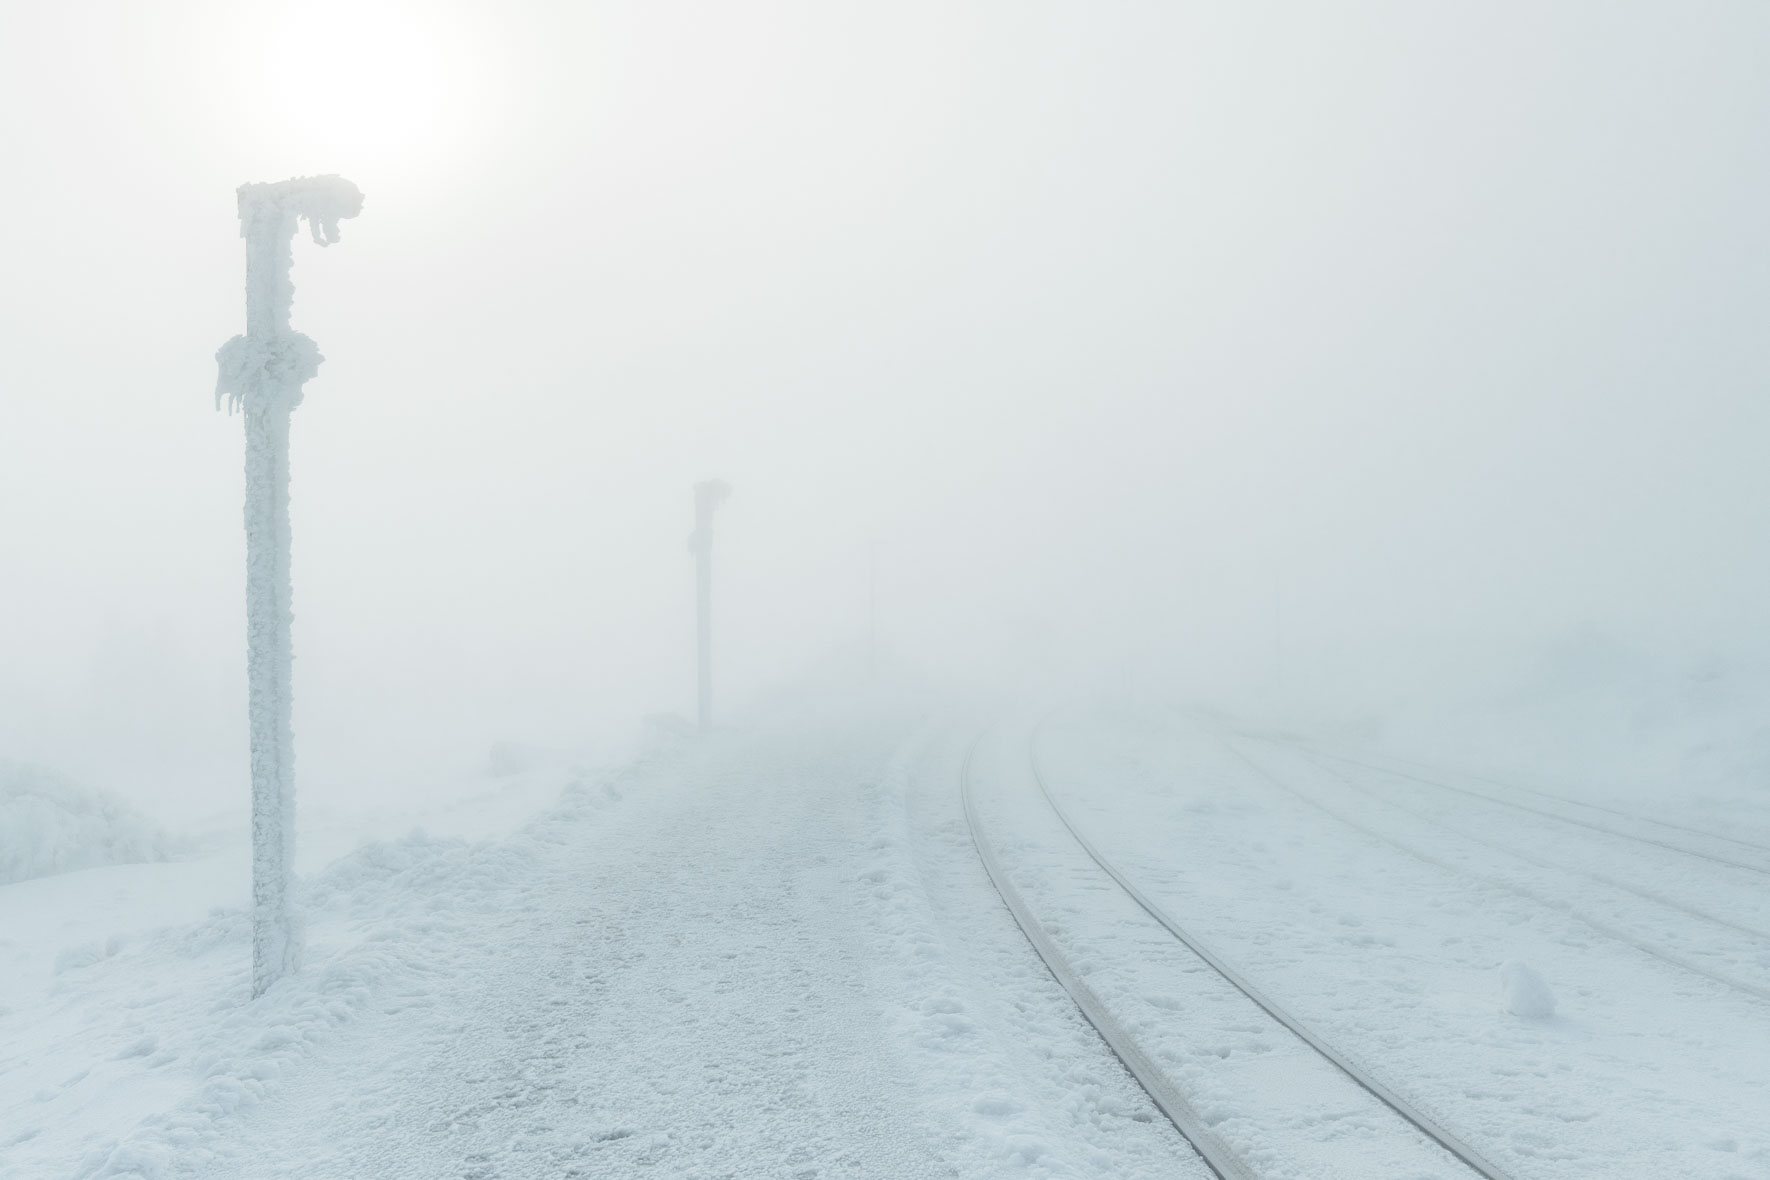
(1608,929)
(1428,1125)
(1555,797)
(1657,898)
(1216,1154)
(1717,858)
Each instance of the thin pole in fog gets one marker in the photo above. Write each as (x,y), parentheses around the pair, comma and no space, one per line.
(708,495)
(872,610)
(262,373)
(1278,632)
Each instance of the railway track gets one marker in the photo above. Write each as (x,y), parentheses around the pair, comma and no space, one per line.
(1752,858)
(1585,805)
(1167,1096)
(1601,926)
(1543,862)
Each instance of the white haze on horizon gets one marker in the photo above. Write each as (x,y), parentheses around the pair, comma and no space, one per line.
(1242,351)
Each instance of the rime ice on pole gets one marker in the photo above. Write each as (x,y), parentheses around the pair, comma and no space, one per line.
(262,372)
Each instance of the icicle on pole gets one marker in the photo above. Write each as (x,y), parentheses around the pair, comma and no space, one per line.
(708,495)
(261,373)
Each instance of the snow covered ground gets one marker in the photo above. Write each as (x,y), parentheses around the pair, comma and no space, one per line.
(774,952)
(1387,917)
(716,961)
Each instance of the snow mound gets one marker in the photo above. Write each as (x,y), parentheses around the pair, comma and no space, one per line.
(1525,993)
(51,824)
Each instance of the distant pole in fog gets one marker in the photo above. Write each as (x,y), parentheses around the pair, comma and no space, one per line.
(262,373)
(872,610)
(708,495)
(1278,633)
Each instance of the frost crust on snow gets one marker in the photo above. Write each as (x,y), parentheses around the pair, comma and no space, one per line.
(1525,993)
(51,824)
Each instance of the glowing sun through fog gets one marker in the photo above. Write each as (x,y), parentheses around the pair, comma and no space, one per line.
(366,79)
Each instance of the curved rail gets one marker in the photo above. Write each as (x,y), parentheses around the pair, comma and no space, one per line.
(1554,797)
(1217,1156)
(1401,1106)
(1671,903)
(1609,829)
(1608,929)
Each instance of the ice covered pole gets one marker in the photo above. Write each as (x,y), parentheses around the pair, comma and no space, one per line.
(708,495)
(262,373)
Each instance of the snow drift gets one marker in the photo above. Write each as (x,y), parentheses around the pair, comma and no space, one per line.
(51,824)
(1524,992)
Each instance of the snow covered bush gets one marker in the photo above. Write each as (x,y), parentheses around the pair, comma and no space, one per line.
(51,824)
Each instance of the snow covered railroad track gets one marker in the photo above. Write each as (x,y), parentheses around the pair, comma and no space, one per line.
(1757,932)
(1167,1097)
(1555,798)
(1629,933)
(1620,931)
(1679,838)
(1401,1106)
(1223,1161)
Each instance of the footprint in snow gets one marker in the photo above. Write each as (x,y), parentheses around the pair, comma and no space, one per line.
(140,1047)
(997,1106)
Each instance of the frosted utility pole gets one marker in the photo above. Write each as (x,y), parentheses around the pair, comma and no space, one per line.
(262,372)
(708,495)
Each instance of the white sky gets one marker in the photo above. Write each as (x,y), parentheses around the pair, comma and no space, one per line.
(1134,335)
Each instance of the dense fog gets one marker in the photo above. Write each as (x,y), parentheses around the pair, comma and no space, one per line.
(1345,363)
